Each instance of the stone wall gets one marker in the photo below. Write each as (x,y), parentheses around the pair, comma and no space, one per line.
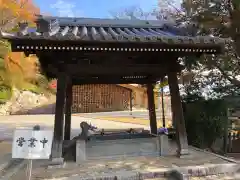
(23,101)
(86,98)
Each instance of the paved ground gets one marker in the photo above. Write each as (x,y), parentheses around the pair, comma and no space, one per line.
(9,123)
(142,114)
(117,119)
(135,117)
(130,166)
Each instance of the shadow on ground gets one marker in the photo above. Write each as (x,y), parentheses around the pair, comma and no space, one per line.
(50,109)
(45,109)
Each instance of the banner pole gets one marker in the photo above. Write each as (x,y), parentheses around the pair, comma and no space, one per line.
(29,169)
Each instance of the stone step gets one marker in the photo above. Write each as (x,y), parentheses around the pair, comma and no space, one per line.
(129,176)
(218,177)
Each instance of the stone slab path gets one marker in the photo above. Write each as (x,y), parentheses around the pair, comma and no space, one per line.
(148,167)
(131,168)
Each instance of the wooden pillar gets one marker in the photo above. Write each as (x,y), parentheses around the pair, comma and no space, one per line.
(59,118)
(131,103)
(177,114)
(151,109)
(68,111)
(226,143)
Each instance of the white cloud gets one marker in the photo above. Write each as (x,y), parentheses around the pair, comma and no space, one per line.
(66,8)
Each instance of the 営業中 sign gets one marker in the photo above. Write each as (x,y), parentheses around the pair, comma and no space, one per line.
(30,144)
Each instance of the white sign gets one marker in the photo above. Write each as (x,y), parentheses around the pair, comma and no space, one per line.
(29,144)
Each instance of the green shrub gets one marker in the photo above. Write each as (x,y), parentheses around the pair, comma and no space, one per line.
(205,121)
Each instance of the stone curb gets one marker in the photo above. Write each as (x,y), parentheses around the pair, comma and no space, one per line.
(217,155)
(209,169)
(186,173)
(197,171)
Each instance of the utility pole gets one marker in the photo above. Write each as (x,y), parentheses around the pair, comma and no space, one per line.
(163,110)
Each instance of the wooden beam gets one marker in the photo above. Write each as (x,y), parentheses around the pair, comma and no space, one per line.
(133,70)
(112,80)
(110,75)
(177,114)
(151,109)
(90,44)
(68,111)
(59,119)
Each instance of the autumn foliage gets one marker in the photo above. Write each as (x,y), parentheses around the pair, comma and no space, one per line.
(15,11)
(18,70)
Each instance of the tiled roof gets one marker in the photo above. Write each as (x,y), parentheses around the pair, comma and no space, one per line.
(84,29)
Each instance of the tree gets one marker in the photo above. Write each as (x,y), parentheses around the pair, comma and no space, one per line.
(217,18)
(15,11)
(205,120)
(133,12)
(18,70)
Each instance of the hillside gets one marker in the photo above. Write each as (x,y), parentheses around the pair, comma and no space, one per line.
(23,101)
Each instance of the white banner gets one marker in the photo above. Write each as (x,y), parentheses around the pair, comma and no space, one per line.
(29,144)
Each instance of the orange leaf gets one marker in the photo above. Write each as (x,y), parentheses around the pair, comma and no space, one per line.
(20,9)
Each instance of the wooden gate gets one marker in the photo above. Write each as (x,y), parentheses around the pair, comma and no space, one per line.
(99,98)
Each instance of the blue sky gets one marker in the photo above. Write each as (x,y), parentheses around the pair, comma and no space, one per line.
(91,8)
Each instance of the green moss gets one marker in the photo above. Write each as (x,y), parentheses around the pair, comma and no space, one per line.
(5,94)
(32,88)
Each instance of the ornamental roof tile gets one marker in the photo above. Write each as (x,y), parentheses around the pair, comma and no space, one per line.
(109,30)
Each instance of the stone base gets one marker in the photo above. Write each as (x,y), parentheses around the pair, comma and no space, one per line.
(80,151)
(56,166)
(56,163)
(163,145)
(97,149)
(183,153)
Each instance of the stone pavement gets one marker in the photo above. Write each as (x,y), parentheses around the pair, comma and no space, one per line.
(5,155)
(98,167)
(133,120)
(141,114)
(212,177)
(9,123)
(141,167)
(199,163)
(136,117)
